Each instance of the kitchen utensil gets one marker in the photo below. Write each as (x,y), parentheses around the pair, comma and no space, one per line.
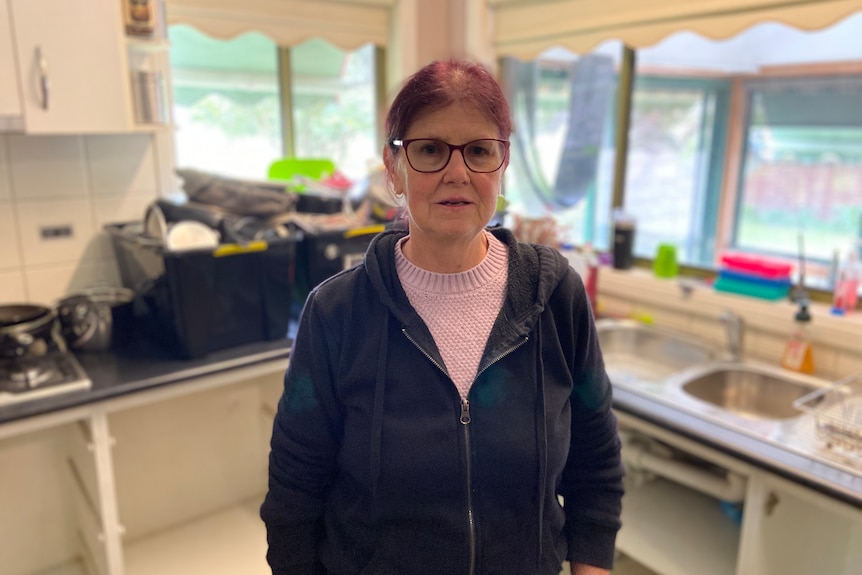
(190,235)
(26,329)
(149,97)
(155,225)
(97,319)
(837,410)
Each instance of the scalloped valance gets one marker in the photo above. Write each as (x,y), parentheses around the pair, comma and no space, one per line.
(347,24)
(526,28)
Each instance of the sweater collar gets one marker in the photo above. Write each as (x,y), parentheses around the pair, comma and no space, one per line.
(491,266)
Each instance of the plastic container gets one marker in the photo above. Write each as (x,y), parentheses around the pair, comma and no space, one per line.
(758,289)
(199,301)
(624,239)
(665,264)
(798,354)
(149,96)
(322,254)
(846,292)
(758,266)
(289,168)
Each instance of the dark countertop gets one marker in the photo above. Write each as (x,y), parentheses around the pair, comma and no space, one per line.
(141,365)
(145,365)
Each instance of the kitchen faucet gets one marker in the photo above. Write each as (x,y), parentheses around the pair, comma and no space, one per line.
(734,327)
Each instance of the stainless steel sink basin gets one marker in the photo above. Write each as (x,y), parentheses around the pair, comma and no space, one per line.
(750,391)
(637,353)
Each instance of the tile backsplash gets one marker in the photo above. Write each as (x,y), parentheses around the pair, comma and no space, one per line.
(56,194)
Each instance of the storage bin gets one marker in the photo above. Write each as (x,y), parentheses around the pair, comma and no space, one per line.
(199,301)
(322,254)
(759,266)
(758,289)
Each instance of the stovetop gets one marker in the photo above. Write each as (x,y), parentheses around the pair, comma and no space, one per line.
(24,379)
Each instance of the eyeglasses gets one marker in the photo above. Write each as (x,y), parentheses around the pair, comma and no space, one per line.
(429,156)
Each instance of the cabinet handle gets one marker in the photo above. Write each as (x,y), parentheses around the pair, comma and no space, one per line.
(772,501)
(44,81)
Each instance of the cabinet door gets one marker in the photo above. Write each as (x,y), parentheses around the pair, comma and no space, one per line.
(792,530)
(10,101)
(72,65)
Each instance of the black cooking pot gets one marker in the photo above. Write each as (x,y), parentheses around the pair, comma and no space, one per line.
(26,329)
(97,319)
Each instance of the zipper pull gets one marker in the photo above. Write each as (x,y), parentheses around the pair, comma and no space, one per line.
(465,411)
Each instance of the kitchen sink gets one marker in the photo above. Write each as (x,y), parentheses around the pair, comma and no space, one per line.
(758,392)
(637,353)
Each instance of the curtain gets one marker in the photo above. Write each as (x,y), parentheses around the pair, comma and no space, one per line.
(591,81)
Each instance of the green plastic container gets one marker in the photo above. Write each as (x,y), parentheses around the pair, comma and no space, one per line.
(752,289)
(288,168)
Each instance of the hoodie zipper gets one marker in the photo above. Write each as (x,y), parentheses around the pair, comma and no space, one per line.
(465,422)
(471,519)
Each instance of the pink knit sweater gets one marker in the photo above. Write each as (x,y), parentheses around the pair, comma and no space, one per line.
(459,309)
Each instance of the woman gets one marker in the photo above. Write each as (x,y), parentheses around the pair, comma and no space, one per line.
(443,393)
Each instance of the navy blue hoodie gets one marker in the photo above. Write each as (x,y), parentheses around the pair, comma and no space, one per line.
(377,465)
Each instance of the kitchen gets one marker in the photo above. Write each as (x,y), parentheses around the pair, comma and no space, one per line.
(142,488)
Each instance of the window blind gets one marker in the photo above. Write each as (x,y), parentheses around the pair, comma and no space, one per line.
(348,24)
(526,28)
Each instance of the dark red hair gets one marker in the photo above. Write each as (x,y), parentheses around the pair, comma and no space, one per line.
(442,83)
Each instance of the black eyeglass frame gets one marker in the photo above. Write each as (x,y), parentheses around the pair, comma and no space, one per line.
(452,147)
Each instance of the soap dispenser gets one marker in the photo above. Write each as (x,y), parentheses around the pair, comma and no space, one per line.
(798,355)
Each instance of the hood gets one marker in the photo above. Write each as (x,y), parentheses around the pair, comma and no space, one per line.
(534,273)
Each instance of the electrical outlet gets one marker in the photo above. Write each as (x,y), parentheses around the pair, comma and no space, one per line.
(55,232)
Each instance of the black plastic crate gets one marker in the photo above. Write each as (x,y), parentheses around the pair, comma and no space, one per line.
(321,255)
(200,301)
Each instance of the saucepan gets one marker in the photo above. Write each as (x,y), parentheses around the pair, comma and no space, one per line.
(96,319)
(26,329)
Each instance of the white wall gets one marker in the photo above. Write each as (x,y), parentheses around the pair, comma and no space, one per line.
(82,182)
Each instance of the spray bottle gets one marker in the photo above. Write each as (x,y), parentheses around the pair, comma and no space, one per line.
(846,293)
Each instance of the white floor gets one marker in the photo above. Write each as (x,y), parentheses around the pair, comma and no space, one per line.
(231,542)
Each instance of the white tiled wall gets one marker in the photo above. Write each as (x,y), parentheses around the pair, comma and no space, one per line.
(837,341)
(80,182)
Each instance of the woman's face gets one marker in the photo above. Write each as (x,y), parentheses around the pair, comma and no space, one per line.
(454,204)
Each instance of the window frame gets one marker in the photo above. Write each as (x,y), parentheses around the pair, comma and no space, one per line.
(720,89)
(727,200)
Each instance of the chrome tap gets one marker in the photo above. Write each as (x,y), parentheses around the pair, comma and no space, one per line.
(734,327)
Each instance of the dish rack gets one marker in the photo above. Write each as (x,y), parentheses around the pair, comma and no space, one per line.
(837,411)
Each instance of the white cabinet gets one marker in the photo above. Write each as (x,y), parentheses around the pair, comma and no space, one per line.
(169,481)
(72,66)
(793,530)
(166,481)
(10,99)
(675,521)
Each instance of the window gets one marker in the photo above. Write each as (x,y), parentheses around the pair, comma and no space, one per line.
(753,143)
(334,105)
(562,152)
(229,105)
(226,102)
(802,170)
(675,157)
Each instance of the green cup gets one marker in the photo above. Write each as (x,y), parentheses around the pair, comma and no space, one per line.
(665,265)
